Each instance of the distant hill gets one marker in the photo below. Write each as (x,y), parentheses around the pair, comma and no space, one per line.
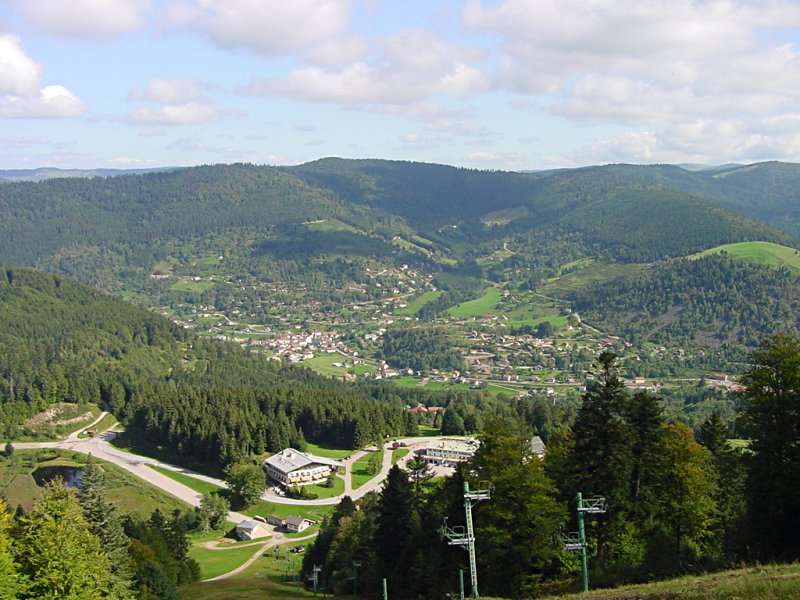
(320,223)
(761,253)
(44,173)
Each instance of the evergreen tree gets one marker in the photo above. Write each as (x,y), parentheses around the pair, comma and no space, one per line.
(58,553)
(646,421)
(419,471)
(714,434)
(11,582)
(106,523)
(772,391)
(602,463)
(8,450)
(394,533)
(515,530)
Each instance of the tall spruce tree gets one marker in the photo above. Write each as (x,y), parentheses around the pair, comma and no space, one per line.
(601,463)
(772,392)
(395,532)
(515,529)
(106,523)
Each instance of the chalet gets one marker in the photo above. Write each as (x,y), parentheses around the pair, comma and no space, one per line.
(291,467)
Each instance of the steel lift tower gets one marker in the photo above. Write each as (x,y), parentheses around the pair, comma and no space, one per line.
(458,536)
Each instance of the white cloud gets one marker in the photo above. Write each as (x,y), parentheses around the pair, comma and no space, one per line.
(21,96)
(84,18)
(19,74)
(315,29)
(413,66)
(693,80)
(170,91)
(172,102)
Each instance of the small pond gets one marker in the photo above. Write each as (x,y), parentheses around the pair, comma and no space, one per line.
(70,475)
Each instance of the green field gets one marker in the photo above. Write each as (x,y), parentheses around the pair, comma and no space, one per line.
(769,582)
(427,430)
(360,469)
(325,492)
(399,453)
(196,287)
(762,253)
(129,493)
(198,485)
(583,274)
(327,451)
(264,509)
(218,562)
(479,307)
(323,364)
(270,577)
(417,303)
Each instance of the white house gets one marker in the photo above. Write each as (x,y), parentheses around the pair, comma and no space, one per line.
(448,452)
(297,524)
(251,530)
(291,467)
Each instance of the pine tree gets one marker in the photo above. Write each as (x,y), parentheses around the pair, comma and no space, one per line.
(58,553)
(394,533)
(772,390)
(602,463)
(515,529)
(11,582)
(713,434)
(106,523)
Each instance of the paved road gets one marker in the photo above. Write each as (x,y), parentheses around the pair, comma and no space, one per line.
(139,466)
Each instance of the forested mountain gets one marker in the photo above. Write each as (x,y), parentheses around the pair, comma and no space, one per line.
(713,300)
(209,400)
(61,220)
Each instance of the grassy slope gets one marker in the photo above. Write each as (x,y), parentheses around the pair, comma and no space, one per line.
(130,494)
(327,451)
(586,275)
(484,305)
(762,253)
(197,485)
(776,582)
(361,473)
(268,577)
(217,562)
(417,303)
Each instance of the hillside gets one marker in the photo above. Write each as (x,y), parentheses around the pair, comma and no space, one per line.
(212,401)
(761,253)
(713,300)
(768,582)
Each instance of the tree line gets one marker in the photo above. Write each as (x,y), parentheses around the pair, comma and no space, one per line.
(677,501)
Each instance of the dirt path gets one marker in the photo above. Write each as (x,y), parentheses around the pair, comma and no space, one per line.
(278,540)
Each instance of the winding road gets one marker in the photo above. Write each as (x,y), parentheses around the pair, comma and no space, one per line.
(100,447)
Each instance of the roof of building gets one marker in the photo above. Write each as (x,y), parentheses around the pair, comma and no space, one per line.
(289,460)
(249,525)
(295,520)
(537,446)
(466,445)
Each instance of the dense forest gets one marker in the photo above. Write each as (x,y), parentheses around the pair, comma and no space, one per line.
(204,398)
(713,300)
(676,501)
(110,231)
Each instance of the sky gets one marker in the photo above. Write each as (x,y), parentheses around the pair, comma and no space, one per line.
(490,84)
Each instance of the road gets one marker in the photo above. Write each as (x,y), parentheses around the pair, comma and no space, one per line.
(140,466)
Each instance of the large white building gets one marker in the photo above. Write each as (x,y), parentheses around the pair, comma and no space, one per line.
(291,467)
(448,452)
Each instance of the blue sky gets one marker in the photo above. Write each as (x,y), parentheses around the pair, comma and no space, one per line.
(508,84)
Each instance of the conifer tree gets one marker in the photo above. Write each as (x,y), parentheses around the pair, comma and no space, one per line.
(394,533)
(106,523)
